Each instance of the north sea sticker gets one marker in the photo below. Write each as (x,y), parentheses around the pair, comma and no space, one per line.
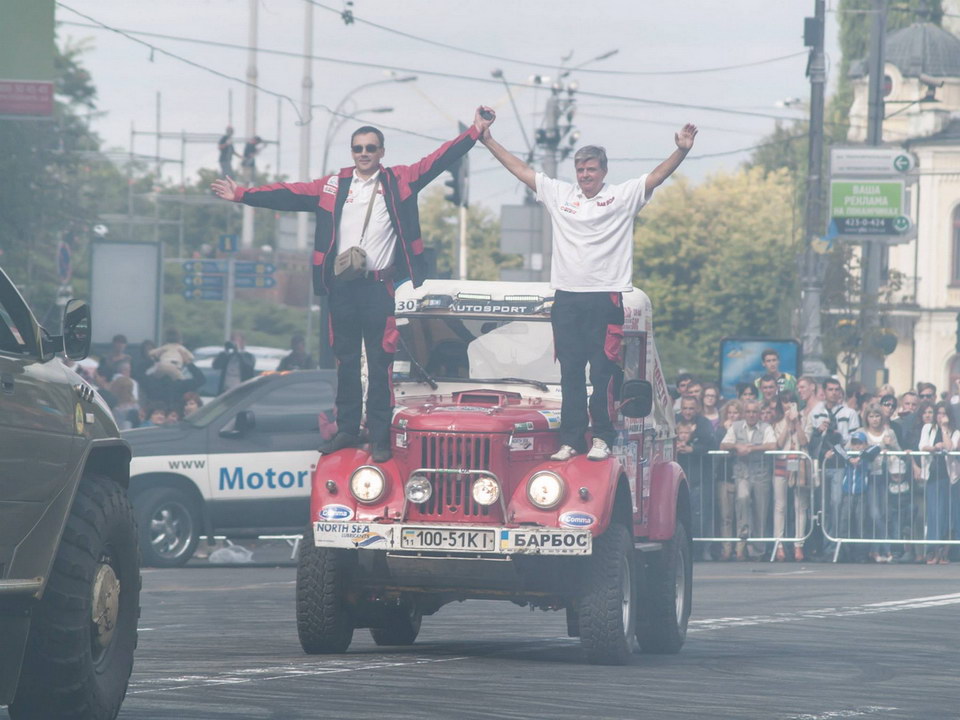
(335,512)
(577,519)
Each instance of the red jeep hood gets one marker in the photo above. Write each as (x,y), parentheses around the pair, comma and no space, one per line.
(484,411)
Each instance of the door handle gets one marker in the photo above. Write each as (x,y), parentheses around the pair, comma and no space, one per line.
(6,382)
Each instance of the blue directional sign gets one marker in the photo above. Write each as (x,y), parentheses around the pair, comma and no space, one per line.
(229,243)
(205,266)
(203,294)
(253,268)
(254,281)
(204,281)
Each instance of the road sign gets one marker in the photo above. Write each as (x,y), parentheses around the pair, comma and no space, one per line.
(253,268)
(204,281)
(871,161)
(205,266)
(229,242)
(866,198)
(203,293)
(254,281)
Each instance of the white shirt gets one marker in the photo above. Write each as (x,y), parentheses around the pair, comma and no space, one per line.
(847,419)
(592,237)
(381,239)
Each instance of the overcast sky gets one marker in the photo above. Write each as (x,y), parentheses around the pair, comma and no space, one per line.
(528,36)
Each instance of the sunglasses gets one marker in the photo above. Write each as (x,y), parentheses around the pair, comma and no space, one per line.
(888,404)
(926,396)
(369,148)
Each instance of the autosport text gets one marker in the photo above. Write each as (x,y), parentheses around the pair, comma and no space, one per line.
(270,478)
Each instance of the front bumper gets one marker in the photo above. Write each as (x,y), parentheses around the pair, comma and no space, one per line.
(446,538)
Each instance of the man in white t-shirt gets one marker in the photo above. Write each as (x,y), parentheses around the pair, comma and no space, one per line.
(592,266)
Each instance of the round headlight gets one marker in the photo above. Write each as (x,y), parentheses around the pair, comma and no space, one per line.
(367,484)
(545,490)
(418,489)
(486,491)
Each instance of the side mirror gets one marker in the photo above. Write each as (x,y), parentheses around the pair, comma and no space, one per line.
(636,398)
(76,329)
(244,423)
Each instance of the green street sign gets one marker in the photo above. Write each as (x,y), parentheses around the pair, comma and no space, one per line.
(902,163)
(866,199)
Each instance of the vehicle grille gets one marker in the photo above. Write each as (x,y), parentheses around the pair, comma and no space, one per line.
(451,493)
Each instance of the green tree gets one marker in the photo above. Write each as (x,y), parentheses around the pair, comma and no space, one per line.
(718,259)
(439,226)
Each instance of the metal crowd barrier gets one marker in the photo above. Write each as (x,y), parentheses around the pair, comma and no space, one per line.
(910,505)
(755,510)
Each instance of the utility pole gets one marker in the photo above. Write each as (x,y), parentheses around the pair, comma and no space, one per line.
(251,112)
(871,360)
(812,278)
(306,99)
(549,138)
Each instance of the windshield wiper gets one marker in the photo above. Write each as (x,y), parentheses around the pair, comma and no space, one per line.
(511,380)
(425,376)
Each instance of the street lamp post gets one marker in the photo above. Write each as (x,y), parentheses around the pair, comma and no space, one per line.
(336,112)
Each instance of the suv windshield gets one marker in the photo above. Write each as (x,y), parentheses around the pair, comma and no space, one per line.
(451,347)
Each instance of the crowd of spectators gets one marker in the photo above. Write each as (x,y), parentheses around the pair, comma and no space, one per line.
(881,469)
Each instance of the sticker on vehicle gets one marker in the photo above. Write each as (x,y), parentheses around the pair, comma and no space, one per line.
(576,519)
(336,512)
(552,417)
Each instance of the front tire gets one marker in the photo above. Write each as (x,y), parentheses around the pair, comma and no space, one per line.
(83,633)
(169,527)
(324,624)
(607,603)
(401,627)
(666,595)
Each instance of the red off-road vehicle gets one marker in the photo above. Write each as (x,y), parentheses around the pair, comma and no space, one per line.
(472,506)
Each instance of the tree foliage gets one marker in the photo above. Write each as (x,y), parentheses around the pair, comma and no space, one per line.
(440,229)
(718,259)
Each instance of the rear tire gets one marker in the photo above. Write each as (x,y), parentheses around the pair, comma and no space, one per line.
(169,526)
(401,627)
(324,624)
(84,630)
(607,605)
(665,595)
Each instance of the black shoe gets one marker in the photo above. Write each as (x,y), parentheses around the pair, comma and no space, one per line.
(380,452)
(338,442)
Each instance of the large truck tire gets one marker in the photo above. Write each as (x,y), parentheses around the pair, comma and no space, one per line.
(169,527)
(83,632)
(608,598)
(665,595)
(324,624)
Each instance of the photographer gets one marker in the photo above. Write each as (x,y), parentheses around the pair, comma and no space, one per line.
(234,363)
(830,424)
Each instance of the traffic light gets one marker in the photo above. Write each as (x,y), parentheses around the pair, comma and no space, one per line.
(458,182)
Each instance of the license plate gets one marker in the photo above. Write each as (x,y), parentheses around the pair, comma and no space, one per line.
(447,539)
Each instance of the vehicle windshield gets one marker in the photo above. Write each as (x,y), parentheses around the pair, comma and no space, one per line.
(460,348)
(224,404)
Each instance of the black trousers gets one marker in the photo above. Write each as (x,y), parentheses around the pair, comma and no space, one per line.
(587,328)
(361,312)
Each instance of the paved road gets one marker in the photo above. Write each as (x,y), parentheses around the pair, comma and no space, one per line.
(779,642)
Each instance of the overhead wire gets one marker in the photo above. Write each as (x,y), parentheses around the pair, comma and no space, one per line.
(552,66)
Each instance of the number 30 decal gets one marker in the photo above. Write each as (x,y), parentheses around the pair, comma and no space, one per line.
(406,306)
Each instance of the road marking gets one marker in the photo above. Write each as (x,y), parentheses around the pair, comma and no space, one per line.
(854,712)
(825,613)
(279,672)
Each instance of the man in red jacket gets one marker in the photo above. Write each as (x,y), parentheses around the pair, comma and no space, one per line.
(374,207)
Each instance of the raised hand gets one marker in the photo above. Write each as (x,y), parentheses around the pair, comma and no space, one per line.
(225,188)
(684,138)
(481,123)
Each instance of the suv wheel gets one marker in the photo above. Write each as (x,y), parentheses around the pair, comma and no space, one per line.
(607,603)
(401,625)
(169,527)
(324,624)
(84,630)
(666,595)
